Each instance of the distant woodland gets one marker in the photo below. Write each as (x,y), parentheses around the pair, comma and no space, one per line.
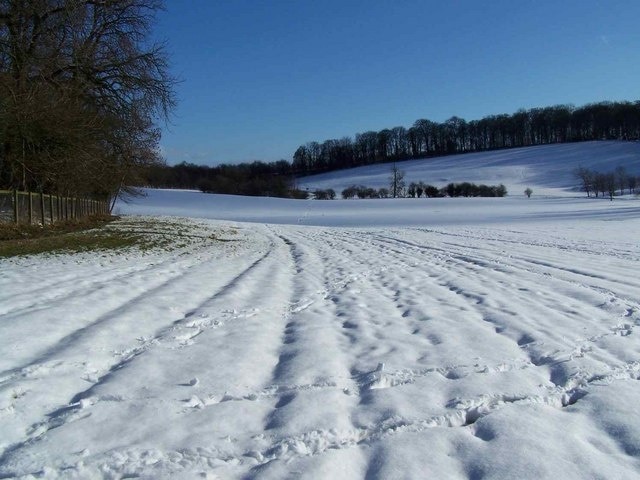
(425,138)
(537,126)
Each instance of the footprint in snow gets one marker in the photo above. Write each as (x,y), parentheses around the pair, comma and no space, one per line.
(191,383)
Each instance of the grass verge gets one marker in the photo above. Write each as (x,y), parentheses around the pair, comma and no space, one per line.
(73,236)
(108,233)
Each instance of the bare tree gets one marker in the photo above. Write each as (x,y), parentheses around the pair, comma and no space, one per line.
(610,184)
(621,178)
(82,90)
(396,182)
(587,178)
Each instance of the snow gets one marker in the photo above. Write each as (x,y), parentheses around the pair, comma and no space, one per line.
(547,169)
(399,212)
(439,338)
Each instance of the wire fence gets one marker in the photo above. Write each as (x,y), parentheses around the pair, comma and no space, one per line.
(43,209)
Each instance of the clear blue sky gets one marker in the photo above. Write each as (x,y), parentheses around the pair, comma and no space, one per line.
(260,78)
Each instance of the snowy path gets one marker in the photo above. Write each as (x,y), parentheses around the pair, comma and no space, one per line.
(309,352)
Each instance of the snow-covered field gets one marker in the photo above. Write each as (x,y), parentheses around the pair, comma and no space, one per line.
(449,338)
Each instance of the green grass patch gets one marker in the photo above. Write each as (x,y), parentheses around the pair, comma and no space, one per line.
(70,242)
(76,236)
(104,233)
(11,231)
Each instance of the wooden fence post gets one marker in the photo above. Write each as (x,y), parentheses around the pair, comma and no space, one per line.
(16,215)
(30,208)
(42,207)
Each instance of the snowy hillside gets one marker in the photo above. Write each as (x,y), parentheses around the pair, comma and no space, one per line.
(445,338)
(547,169)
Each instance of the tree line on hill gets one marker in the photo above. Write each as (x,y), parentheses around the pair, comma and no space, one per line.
(81,89)
(425,138)
(561,123)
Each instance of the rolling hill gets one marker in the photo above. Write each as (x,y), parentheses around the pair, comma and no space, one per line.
(547,169)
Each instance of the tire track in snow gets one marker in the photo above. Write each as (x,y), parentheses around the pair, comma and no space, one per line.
(373,302)
(464,413)
(77,405)
(151,295)
(498,265)
(247,290)
(172,332)
(311,355)
(482,263)
(359,324)
(60,288)
(555,361)
(128,355)
(575,351)
(487,240)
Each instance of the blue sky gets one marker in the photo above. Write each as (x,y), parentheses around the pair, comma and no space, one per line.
(260,78)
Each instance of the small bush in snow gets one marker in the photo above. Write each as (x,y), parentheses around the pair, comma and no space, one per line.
(328,194)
